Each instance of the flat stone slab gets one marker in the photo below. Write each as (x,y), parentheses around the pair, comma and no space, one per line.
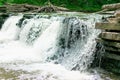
(107,12)
(109,43)
(108,26)
(112,56)
(114,20)
(114,6)
(112,49)
(110,36)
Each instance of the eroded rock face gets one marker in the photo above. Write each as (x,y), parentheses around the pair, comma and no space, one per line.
(110,40)
(111,65)
(109,43)
(113,36)
(3,9)
(117,14)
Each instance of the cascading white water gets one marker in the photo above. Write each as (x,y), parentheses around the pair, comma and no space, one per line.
(43,41)
(10,30)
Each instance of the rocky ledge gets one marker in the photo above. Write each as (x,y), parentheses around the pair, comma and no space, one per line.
(110,39)
(21,8)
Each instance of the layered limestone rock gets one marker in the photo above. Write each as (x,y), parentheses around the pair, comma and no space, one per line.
(110,39)
(17,8)
(111,6)
(117,14)
(113,36)
(108,26)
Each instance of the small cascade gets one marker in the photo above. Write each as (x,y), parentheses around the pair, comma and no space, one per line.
(76,44)
(10,30)
(68,41)
(57,41)
(33,29)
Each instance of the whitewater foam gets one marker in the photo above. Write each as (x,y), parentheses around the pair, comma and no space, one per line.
(26,50)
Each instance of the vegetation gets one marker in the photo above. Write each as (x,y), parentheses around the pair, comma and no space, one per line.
(78,5)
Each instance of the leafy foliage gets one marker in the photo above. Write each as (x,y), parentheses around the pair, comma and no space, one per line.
(79,5)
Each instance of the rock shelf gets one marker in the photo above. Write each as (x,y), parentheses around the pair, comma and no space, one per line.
(110,39)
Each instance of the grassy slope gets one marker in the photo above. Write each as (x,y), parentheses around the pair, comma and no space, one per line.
(77,5)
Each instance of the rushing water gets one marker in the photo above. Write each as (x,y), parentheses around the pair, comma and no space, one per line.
(48,47)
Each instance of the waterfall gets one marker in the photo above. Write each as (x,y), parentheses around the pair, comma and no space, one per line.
(10,30)
(76,44)
(69,41)
(60,40)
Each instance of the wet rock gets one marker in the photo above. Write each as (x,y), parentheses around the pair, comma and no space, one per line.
(3,9)
(29,16)
(25,16)
(111,65)
(3,17)
(110,39)
(114,36)
(109,43)
(112,55)
(112,49)
(104,19)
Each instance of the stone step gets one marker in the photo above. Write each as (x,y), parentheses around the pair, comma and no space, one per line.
(112,49)
(114,6)
(114,20)
(2,9)
(112,56)
(109,43)
(111,65)
(113,36)
(108,26)
(107,12)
